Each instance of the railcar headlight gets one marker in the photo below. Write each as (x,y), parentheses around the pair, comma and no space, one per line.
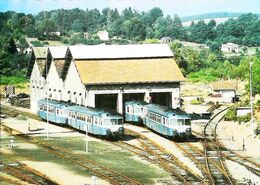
(188,129)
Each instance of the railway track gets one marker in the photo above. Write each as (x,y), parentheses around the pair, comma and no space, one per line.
(217,175)
(105,173)
(26,174)
(151,151)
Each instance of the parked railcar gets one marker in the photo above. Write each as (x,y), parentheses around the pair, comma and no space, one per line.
(135,111)
(57,111)
(163,120)
(168,122)
(96,121)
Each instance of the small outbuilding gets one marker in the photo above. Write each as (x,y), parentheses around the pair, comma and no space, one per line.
(243,111)
(225,90)
(230,48)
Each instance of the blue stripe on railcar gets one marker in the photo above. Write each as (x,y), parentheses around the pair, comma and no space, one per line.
(53,117)
(78,117)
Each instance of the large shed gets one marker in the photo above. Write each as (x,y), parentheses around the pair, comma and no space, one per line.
(108,75)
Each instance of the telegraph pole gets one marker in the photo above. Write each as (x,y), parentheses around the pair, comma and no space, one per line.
(251,96)
(47,93)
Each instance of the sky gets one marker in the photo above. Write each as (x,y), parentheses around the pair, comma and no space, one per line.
(169,7)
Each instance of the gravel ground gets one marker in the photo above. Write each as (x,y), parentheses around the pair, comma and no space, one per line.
(167,145)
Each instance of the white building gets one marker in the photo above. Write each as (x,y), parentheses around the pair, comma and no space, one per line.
(108,75)
(103,35)
(230,48)
(37,73)
(225,90)
(165,40)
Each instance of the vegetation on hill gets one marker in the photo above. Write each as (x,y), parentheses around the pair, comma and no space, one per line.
(81,26)
(212,15)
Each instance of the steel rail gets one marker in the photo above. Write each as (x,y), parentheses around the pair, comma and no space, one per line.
(108,174)
(165,162)
(16,182)
(200,165)
(223,170)
(243,160)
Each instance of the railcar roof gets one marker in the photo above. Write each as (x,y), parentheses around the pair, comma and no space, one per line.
(54,103)
(167,112)
(134,102)
(94,111)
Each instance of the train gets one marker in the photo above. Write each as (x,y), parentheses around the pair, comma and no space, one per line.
(171,123)
(100,122)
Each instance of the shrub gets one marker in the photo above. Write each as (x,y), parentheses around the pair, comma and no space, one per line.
(4,80)
(257,130)
(245,118)
(231,115)
(197,101)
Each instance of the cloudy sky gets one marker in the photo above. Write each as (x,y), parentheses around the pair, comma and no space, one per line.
(180,7)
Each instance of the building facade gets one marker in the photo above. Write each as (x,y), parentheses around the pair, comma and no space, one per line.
(105,76)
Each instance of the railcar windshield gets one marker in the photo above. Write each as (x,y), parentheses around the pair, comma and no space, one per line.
(116,121)
(180,122)
(183,121)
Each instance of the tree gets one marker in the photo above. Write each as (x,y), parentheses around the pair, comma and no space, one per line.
(134,29)
(77,26)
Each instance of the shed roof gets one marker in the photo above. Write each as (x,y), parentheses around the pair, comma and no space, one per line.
(121,51)
(58,52)
(40,52)
(224,85)
(128,71)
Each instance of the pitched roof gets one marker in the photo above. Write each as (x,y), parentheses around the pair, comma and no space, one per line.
(121,51)
(224,85)
(41,65)
(59,64)
(40,52)
(58,51)
(128,71)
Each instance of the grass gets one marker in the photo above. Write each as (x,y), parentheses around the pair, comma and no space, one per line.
(110,156)
(103,153)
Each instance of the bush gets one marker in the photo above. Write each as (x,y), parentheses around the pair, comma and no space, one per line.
(257,130)
(4,80)
(197,101)
(231,115)
(246,118)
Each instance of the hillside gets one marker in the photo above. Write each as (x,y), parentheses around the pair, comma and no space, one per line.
(214,15)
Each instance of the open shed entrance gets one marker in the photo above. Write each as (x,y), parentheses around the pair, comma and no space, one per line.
(106,101)
(132,96)
(161,98)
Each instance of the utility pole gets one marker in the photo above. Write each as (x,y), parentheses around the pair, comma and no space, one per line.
(251,96)
(47,93)
(86,138)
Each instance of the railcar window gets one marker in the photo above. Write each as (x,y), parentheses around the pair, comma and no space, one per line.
(164,121)
(120,121)
(57,111)
(116,121)
(137,110)
(181,122)
(45,107)
(89,119)
(173,122)
(95,120)
(51,110)
(106,122)
(187,122)
(127,109)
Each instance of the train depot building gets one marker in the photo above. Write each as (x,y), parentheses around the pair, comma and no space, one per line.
(105,76)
